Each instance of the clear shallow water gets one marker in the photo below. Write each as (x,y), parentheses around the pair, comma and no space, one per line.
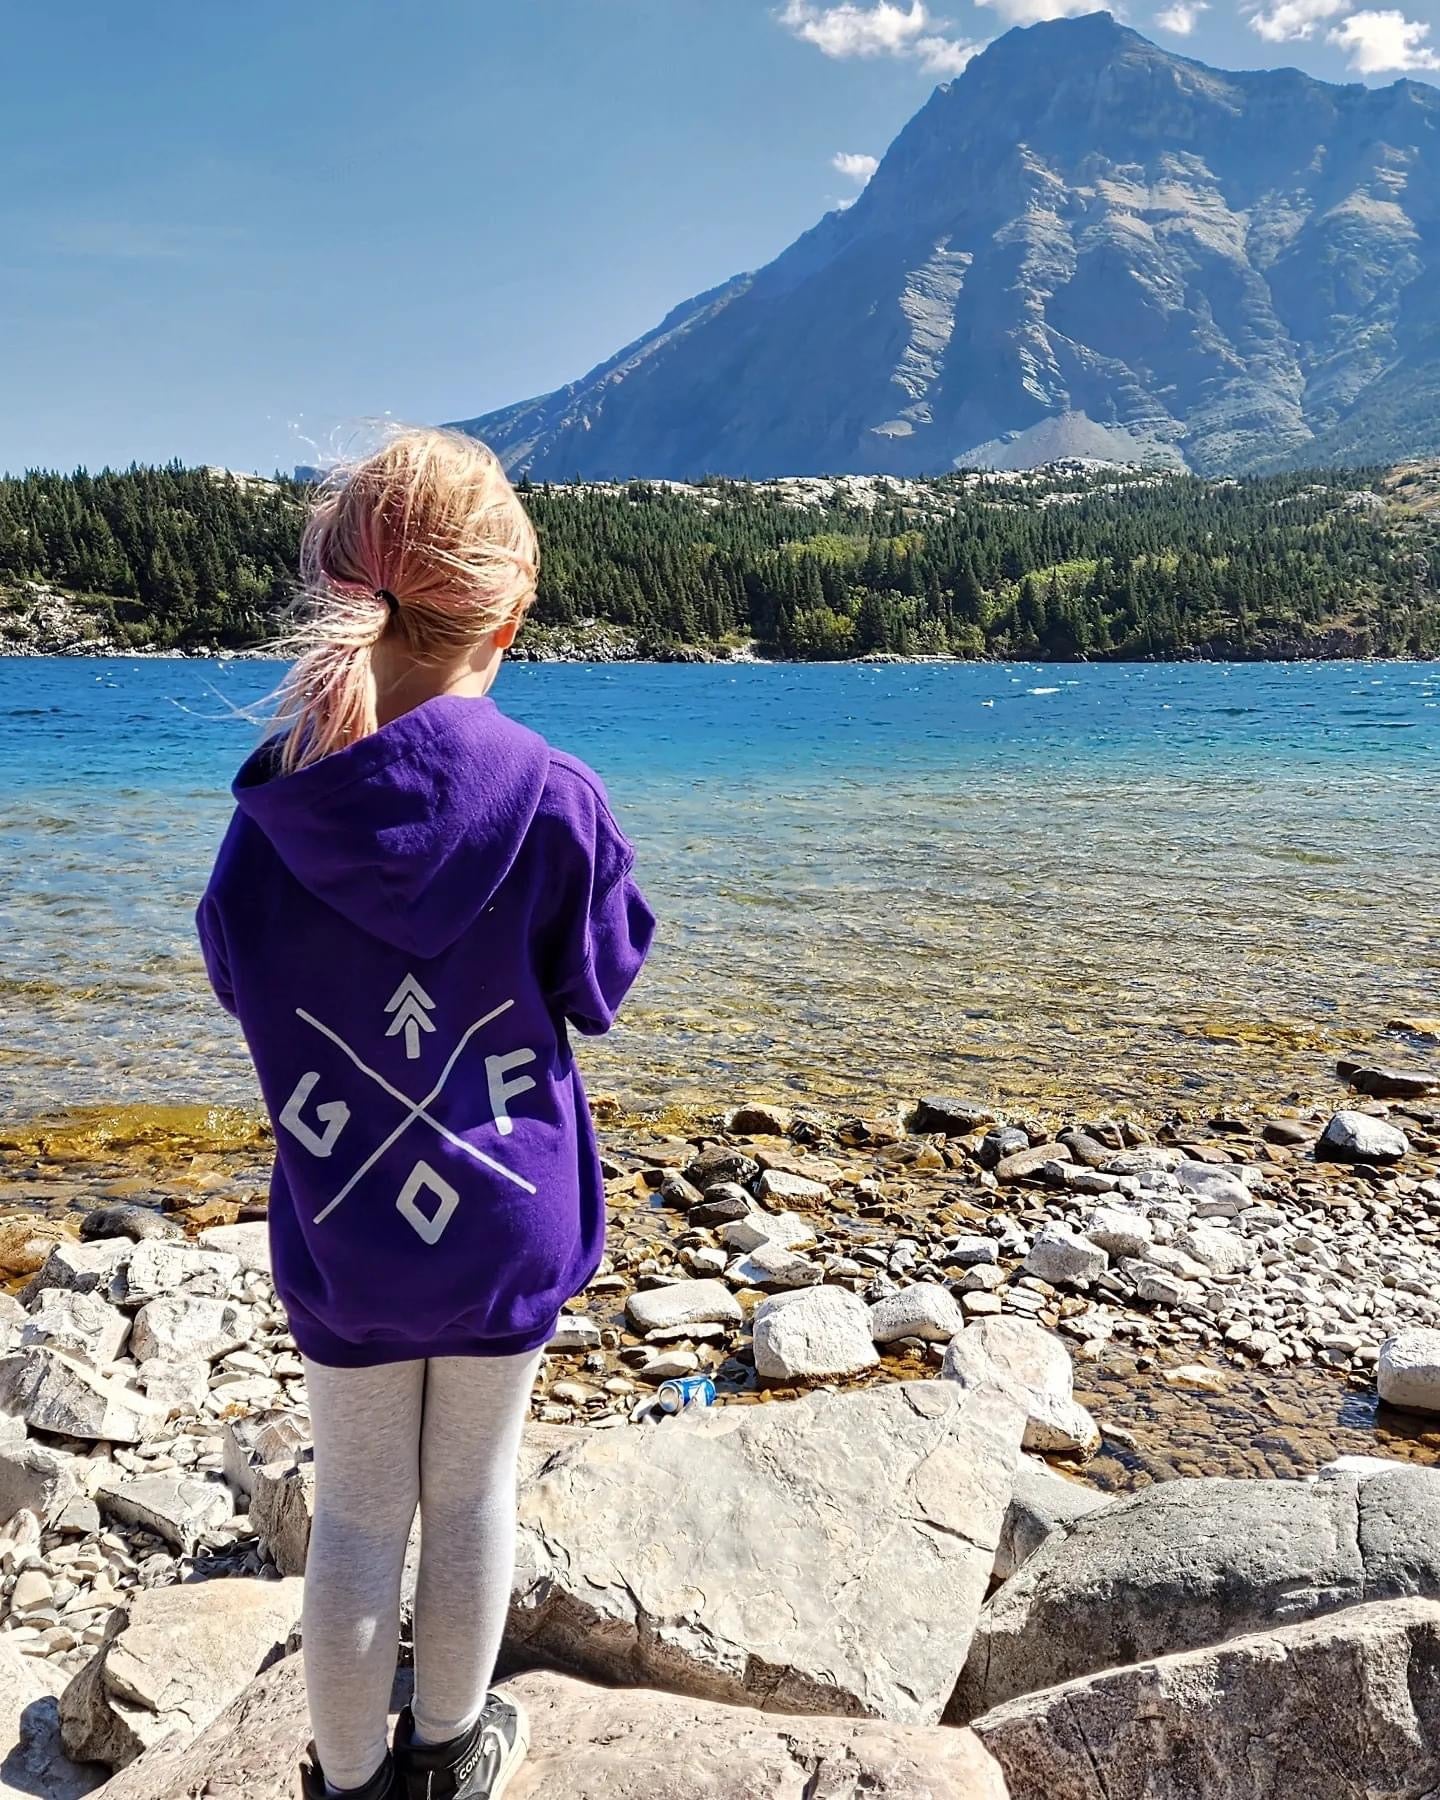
(1045,885)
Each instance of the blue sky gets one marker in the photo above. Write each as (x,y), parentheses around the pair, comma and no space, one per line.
(236,233)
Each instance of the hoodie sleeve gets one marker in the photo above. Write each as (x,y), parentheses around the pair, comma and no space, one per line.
(212,947)
(606,928)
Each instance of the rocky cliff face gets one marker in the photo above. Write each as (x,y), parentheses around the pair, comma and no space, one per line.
(1084,245)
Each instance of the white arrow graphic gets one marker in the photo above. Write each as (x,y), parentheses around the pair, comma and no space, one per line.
(412,1007)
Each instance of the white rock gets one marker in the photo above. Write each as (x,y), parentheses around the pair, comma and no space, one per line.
(34,1762)
(1215,1183)
(37,1479)
(925,1310)
(182,1388)
(774,1268)
(1357,1137)
(186,1327)
(78,1321)
(161,1266)
(682,1303)
(574,1332)
(55,1392)
(791,1190)
(813,1334)
(176,1657)
(1408,1373)
(179,1509)
(1063,1257)
(83,1269)
(787,1231)
(1222,1252)
(1118,1232)
(248,1243)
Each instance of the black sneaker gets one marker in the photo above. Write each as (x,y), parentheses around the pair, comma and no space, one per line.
(382,1785)
(478,1766)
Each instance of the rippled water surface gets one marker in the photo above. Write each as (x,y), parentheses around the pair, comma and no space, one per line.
(1077,885)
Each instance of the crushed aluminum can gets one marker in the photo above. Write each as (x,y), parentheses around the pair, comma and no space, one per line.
(688,1390)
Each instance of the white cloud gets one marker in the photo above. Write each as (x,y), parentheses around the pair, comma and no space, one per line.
(1182,17)
(881,29)
(1035,12)
(857,166)
(851,30)
(1285,21)
(1380,43)
(946,56)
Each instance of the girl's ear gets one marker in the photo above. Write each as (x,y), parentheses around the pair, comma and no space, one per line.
(505,635)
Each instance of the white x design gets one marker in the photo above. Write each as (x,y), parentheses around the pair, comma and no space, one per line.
(419,1109)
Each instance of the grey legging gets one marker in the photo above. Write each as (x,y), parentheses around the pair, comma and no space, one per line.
(443,1435)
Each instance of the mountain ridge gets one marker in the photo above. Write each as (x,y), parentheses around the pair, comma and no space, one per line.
(1228,271)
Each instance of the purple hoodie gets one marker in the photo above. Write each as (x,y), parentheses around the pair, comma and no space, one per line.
(405,930)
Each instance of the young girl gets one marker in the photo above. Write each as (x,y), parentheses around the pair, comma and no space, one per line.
(414,902)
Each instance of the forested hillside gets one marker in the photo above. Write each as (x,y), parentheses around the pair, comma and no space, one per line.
(1060,563)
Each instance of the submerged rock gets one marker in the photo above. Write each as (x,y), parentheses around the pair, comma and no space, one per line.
(823,1555)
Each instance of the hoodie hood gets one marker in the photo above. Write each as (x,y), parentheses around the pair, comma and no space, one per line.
(409,832)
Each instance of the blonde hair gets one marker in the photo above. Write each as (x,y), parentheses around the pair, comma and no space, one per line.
(425,540)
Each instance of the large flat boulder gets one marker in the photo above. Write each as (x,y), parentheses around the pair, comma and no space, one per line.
(1185,1564)
(1348,1705)
(175,1657)
(829,1554)
(590,1742)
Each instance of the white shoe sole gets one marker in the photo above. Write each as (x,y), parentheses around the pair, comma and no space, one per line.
(518,1751)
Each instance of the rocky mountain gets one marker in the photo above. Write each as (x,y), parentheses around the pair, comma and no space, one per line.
(1084,245)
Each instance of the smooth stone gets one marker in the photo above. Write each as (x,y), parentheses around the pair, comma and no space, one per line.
(814,1334)
(925,1310)
(1356,1137)
(954,1118)
(1222,1251)
(1030,1161)
(682,1303)
(776,1269)
(1062,1258)
(784,1189)
(1408,1372)
(133,1222)
(1117,1232)
(786,1231)
(1033,1366)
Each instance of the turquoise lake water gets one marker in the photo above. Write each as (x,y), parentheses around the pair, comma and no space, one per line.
(1043,885)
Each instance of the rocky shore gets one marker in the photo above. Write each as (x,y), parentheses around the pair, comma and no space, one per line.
(897,1535)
